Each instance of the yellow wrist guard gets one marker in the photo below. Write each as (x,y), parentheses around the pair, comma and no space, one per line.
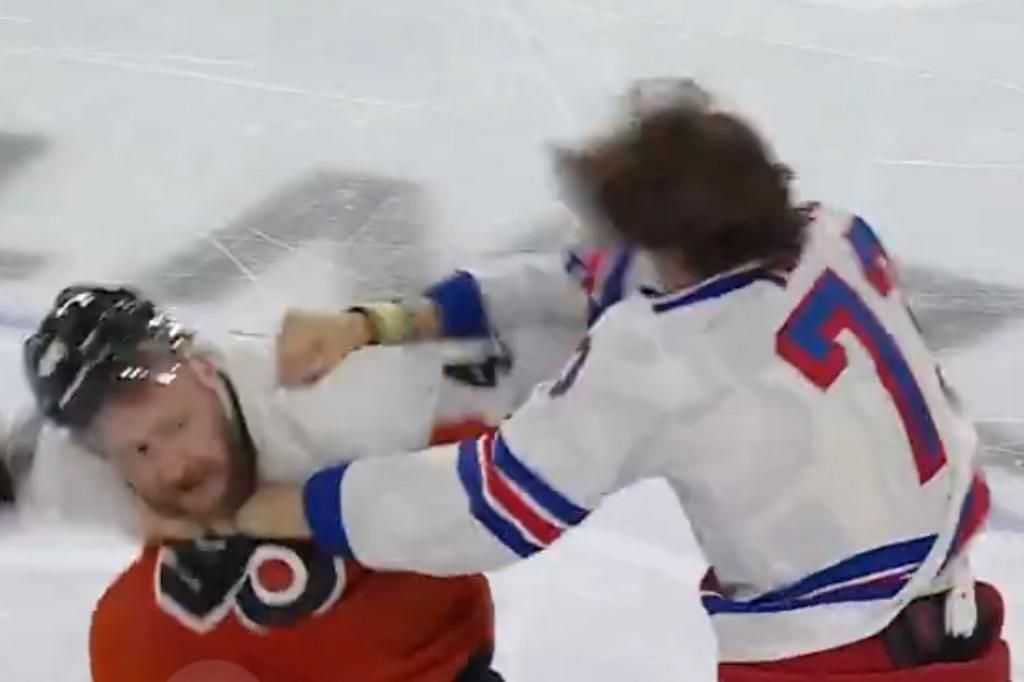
(393,322)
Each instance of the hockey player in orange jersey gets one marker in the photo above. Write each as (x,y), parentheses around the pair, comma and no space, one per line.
(282,611)
(145,428)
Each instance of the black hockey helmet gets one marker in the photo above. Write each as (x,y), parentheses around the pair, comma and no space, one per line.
(90,339)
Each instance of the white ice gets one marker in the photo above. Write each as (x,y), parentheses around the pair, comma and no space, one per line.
(160,121)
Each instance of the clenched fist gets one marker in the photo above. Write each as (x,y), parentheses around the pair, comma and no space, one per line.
(310,344)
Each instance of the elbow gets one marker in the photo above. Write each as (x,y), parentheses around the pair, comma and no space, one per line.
(516,507)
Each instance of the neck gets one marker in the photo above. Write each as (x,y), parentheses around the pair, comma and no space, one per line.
(673,275)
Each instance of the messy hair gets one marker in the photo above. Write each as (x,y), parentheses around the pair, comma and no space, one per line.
(696,183)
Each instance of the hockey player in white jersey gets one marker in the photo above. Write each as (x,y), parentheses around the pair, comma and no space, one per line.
(758,356)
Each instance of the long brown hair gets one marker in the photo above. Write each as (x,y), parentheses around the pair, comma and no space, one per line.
(697,183)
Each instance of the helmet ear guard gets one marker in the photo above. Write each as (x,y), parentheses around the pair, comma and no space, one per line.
(93,338)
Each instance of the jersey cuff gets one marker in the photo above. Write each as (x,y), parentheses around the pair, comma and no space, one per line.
(461,303)
(321,497)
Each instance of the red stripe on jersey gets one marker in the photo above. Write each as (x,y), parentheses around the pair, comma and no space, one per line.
(980,501)
(511,500)
(593,263)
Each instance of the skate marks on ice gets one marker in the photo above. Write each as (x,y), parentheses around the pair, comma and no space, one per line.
(370,226)
(1002,456)
(16,264)
(1002,446)
(955,314)
(16,151)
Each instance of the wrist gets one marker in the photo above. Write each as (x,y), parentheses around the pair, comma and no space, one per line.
(366,334)
(427,320)
(459,306)
(388,323)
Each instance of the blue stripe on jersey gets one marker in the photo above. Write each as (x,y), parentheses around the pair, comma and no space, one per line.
(866,243)
(321,499)
(973,513)
(472,481)
(874,261)
(574,265)
(718,287)
(862,565)
(463,314)
(612,288)
(870,591)
(615,283)
(535,487)
(876,562)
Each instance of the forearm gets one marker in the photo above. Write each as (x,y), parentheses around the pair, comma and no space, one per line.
(521,290)
(524,290)
(477,505)
(407,512)
(484,503)
(392,323)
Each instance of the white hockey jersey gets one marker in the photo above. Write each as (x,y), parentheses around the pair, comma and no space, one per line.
(799,417)
(379,400)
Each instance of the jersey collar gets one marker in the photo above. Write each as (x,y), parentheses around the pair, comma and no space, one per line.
(714,287)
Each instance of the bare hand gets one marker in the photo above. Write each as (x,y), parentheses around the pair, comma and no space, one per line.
(158,528)
(274,511)
(311,344)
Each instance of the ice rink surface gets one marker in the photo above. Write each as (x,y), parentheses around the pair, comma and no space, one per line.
(238,156)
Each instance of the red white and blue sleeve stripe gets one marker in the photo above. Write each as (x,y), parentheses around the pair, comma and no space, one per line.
(603,274)
(876,574)
(512,502)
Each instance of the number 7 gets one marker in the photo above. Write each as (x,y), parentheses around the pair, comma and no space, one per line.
(807,340)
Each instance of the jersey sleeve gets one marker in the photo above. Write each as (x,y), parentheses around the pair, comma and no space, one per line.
(569,287)
(516,290)
(66,482)
(486,502)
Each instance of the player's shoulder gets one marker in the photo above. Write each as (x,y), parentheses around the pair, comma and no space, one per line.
(247,360)
(701,308)
(842,241)
(126,599)
(633,354)
(828,219)
(628,327)
(629,340)
(68,481)
(831,227)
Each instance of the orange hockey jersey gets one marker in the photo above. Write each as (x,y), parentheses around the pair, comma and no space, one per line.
(285,614)
(244,610)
